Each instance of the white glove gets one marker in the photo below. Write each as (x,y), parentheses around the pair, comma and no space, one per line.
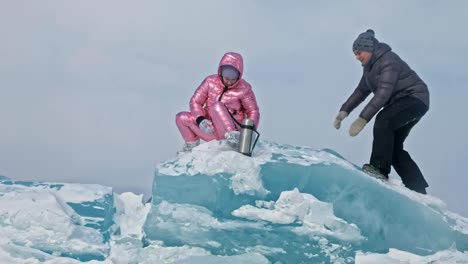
(232,138)
(357,126)
(341,115)
(206,126)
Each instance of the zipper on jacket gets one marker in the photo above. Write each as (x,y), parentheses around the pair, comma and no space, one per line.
(225,89)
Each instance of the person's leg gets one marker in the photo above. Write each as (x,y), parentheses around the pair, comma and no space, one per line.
(222,120)
(183,122)
(188,128)
(404,165)
(390,119)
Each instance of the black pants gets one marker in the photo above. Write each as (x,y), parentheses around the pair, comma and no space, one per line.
(392,126)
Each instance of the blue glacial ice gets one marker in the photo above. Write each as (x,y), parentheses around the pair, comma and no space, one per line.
(65,220)
(286,204)
(291,204)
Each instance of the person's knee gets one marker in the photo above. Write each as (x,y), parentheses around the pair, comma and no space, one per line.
(381,123)
(216,107)
(179,118)
(183,118)
(219,112)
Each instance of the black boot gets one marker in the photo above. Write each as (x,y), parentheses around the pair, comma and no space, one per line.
(374,172)
(421,190)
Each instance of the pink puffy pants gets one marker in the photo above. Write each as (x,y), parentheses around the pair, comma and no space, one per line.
(222,123)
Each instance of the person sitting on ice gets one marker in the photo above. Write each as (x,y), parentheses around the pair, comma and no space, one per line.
(404,98)
(219,105)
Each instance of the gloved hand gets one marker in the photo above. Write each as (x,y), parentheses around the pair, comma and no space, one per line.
(357,126)
(341,115)
(232,136)
(206,126)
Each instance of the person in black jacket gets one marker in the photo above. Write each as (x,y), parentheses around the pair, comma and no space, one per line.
(404,98)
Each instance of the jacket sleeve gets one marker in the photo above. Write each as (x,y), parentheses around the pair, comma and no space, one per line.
(249,103)
(384,91)
(198,99)
(360,94)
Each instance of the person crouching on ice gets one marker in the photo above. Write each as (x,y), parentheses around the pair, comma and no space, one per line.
(404,98)
(219,105)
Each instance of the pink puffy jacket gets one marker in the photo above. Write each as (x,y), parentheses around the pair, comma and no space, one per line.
(214,101)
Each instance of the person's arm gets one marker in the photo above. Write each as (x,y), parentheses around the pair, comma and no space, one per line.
(359,94)
(249,103)
(386,85)
(198,100)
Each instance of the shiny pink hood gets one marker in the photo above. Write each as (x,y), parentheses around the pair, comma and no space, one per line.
(238,98)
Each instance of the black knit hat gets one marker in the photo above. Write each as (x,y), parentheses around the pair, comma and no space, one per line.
(365,41)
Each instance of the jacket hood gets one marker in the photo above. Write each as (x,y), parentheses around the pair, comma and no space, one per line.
(380,49)
(235,60)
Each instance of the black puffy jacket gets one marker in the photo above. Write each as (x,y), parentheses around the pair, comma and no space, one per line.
(389,78)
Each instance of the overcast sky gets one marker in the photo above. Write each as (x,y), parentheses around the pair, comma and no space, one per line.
(89,90)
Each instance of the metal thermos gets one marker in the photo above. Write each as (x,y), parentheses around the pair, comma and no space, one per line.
(245,139)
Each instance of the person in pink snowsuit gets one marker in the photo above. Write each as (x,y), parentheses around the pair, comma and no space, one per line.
(219,99)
